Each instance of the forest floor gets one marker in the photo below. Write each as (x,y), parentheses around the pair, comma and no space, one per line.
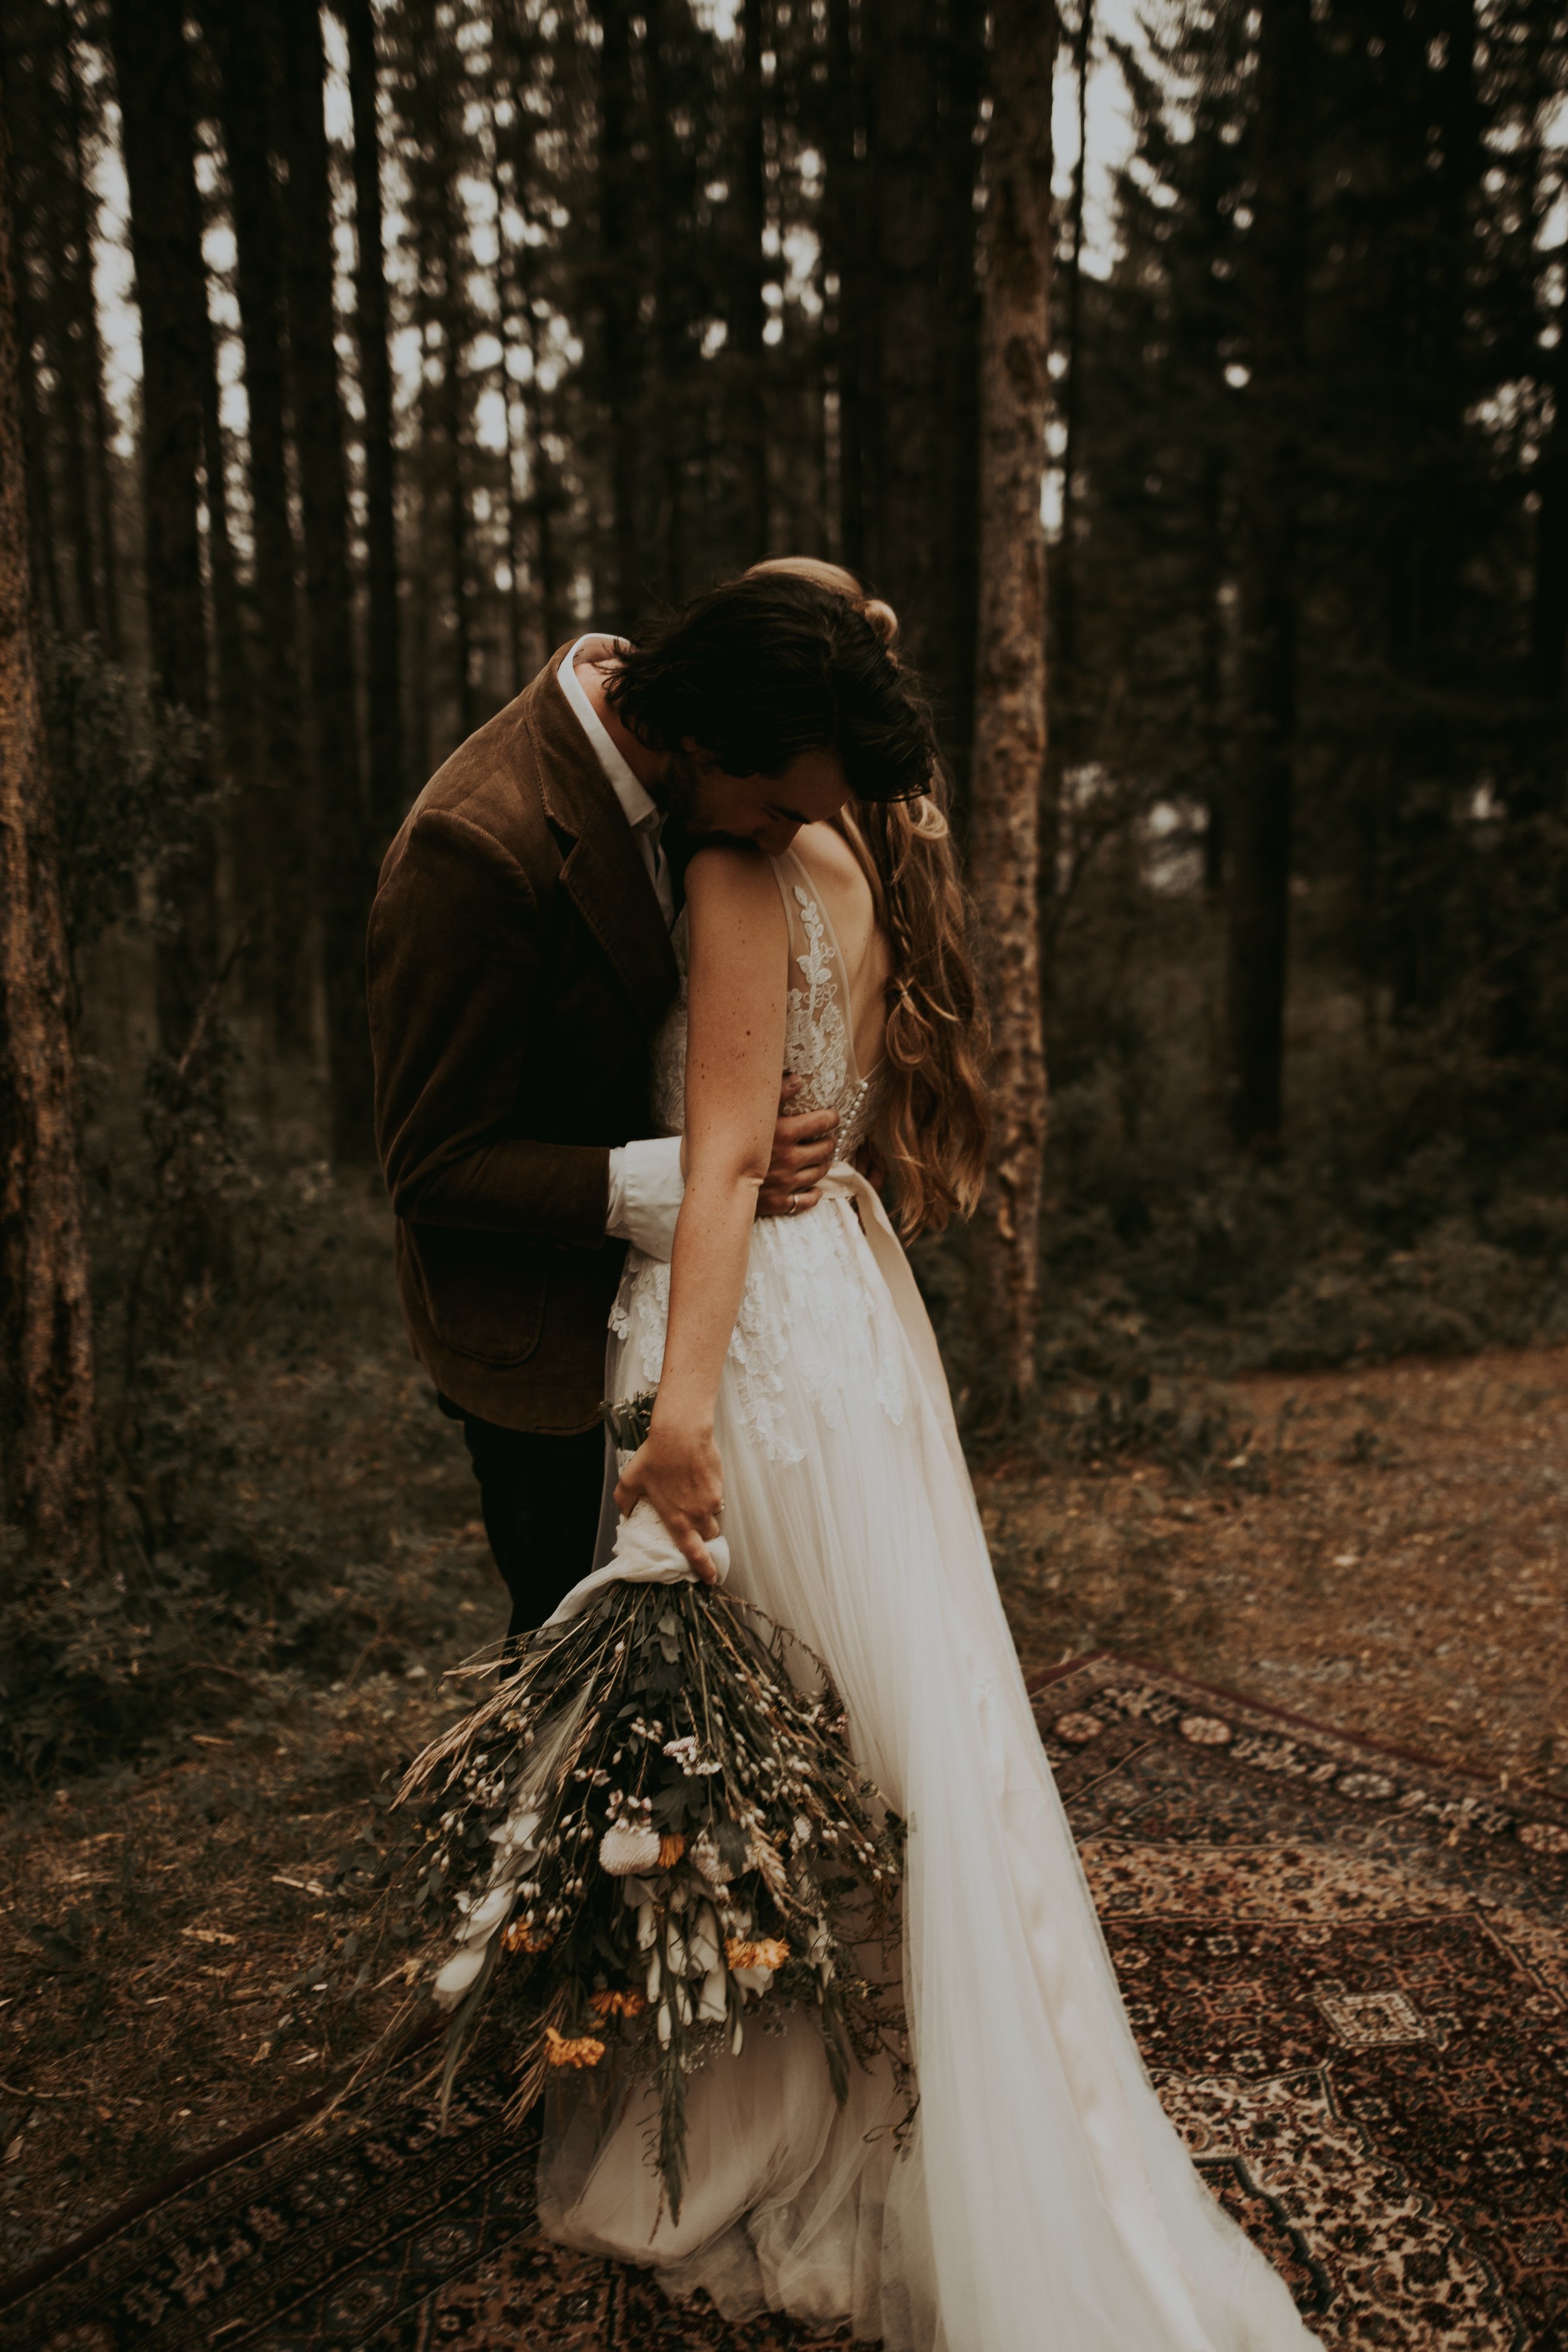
(1386,1550)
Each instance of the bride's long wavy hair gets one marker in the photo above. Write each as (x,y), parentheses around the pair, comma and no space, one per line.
(933,1131)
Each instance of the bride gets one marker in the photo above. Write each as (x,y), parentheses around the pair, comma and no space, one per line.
(1042,2202)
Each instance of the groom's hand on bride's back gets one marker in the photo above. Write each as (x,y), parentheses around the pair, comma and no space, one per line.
(806,1144)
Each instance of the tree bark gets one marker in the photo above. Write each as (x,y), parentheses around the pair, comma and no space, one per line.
(344,877)
(51,1453)
(666,21)
(749,314)
(1260,831)
(619,339)
(844,236)
(1010,680)
(157,128)
(94,431)
(383,666)
(1064,717)
(273,822)
(913,332)
(955,489)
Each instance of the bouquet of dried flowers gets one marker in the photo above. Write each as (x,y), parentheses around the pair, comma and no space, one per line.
(650,1837)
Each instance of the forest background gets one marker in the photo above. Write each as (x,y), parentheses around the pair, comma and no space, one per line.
(466,324)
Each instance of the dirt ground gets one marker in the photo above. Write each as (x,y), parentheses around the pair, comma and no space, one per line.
(1386,1550)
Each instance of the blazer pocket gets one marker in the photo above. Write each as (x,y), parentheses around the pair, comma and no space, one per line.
(492,1313)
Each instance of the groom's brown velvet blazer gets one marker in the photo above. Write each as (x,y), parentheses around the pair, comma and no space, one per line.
(519,964)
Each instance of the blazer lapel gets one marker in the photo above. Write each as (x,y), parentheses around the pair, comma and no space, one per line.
(604,874)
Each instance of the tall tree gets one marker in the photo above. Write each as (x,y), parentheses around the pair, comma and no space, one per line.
(668,71)
(1010,731)
(1276,258)
(384,691)
(620,343)
(344,874)
(50,1443)
(157,133)
(273,817)
(907,557)
(748,313)
(846,225)
(952,658)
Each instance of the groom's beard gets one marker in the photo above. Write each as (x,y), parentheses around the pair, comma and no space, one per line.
(684,795)
(676,790)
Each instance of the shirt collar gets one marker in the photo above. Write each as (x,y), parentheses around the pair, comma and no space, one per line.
(641,808)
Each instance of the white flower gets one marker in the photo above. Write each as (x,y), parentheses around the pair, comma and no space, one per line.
(486,1914)
(712,2006)
(515,1834)
(704,1953)
(704,1854)
(737,2037)
(647,1926)
(624,1849)
(665,2027)
(457,1975)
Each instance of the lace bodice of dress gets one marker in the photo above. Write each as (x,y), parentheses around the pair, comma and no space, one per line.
(818,1033)
(808,1301)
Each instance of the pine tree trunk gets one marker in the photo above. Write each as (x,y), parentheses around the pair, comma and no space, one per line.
(273,822)
(620,194)
(47,1361)
(665,21)
(344,873)
(94,435)
(955,490)
(157,129)
(1063,718)
(383,668)
(508,342)
(844,238)
(1010,680)
(24,65)
(449,407)
(1260,828)
(913,330)
(748,315)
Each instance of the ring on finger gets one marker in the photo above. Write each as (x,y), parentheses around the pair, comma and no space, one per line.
(793,1204)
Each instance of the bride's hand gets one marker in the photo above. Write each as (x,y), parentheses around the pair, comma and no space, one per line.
(680,1474)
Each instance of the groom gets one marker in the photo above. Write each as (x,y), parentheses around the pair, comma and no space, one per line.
(519,962)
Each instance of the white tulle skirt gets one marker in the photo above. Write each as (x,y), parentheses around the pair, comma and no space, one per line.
(1042,2202)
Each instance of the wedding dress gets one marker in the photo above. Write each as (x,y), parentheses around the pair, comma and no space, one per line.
(1042,2202)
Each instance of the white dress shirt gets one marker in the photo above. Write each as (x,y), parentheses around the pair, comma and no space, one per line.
(646,1183)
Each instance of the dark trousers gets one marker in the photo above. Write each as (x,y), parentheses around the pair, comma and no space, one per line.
(540,1500)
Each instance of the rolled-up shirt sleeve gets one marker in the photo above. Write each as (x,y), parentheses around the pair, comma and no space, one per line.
(645,1190)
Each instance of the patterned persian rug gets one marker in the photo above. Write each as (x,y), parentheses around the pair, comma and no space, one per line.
(1349,1972)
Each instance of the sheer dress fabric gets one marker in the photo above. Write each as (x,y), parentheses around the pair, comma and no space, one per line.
(1042,2202)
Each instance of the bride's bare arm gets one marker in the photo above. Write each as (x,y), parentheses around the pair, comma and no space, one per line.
(735,1032)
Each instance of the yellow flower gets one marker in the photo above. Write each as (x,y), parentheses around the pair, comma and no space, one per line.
(769,1952)
(560,2050)
(617,2004)
(519,1939)
(670,1850)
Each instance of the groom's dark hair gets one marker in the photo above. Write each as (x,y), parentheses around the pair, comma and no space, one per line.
(765,667)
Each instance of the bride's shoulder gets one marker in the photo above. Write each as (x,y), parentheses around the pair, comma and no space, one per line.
(730,874)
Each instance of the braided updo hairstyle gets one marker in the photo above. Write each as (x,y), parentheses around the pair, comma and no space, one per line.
(933,1128)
